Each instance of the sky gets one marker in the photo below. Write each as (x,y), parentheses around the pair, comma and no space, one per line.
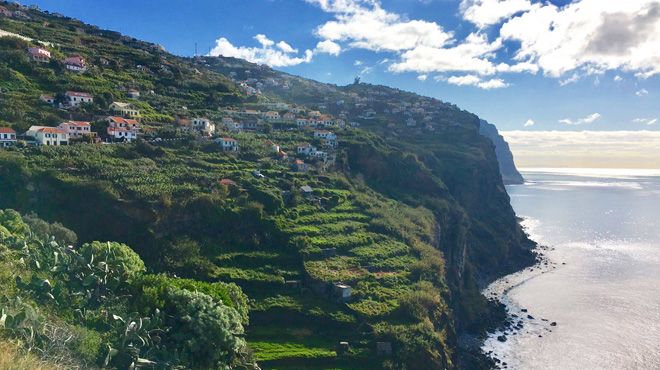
(544,70)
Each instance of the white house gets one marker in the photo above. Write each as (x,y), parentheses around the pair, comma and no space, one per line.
(39,55)
(44,135)
(125,109)
(325,135)
(228,144)
(306,149)
(47,98)
(75,63)
(204,126)
(302,122)
(7,137)
(231,124)
(76,129)
(122,129)
(75,98)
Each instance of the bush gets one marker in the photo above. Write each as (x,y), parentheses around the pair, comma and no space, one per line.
(205,333)
(120,258)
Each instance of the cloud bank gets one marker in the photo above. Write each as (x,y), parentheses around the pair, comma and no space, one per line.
(582,38)
(598,149)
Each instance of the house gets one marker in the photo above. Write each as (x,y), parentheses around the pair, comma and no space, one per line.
(271,116)
(302,122)
(343,291)
(7,137)
(314,114)
(46,98)
(204,126)
(289,116)
(306,149)
(273,147)
(300,166)
(133,93)
(325,135)
(75,63)
(39,55)
(75,98)
(411,122)
(184,124)
(44,135)
(231,124)
(76,129)
(251,125)
(122,129)
(125,109)
(228,144)
(325,120)
(319,154)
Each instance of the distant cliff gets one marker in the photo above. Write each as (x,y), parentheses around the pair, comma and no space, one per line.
(510,174)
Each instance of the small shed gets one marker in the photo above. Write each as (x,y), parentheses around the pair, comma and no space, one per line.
(344,291)
(343,348)
(293,284)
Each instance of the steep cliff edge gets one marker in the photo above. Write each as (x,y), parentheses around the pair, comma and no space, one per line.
(510,174)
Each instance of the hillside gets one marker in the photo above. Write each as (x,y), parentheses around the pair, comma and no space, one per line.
(370,256)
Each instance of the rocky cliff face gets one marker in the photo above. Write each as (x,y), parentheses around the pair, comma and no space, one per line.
(510,174)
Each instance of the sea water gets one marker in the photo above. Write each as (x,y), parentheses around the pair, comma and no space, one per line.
(601,286)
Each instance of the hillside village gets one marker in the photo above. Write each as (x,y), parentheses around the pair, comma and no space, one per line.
(332,208)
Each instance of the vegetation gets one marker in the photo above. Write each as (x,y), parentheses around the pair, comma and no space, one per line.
(412,221)
(77,306)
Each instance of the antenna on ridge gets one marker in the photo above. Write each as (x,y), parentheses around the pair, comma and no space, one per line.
(195,49)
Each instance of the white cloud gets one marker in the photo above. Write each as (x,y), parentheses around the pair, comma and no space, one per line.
(646,121)
(618,78)
(609,149)
(586,120)
(488,12)
(642,92)
(473,80)
(530,122)
(470,56)
(270,53)
(567,81)
(589,35)
(365,24)
(264,41)
(286,47)
(357,63)
(422,77)
(328,47)
(422,46)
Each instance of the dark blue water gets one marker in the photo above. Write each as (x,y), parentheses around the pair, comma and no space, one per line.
(602,286)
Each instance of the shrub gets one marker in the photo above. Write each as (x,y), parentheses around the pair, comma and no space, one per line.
(205,333)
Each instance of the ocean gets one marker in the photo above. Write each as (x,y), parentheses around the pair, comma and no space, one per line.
(596,303)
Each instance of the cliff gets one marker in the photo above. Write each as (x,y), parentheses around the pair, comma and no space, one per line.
(508,169)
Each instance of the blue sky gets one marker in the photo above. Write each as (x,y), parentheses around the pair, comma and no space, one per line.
(525,65)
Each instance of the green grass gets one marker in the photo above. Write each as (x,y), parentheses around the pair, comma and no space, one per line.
(268,351)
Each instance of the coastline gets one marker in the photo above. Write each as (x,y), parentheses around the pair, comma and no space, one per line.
(496,344)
